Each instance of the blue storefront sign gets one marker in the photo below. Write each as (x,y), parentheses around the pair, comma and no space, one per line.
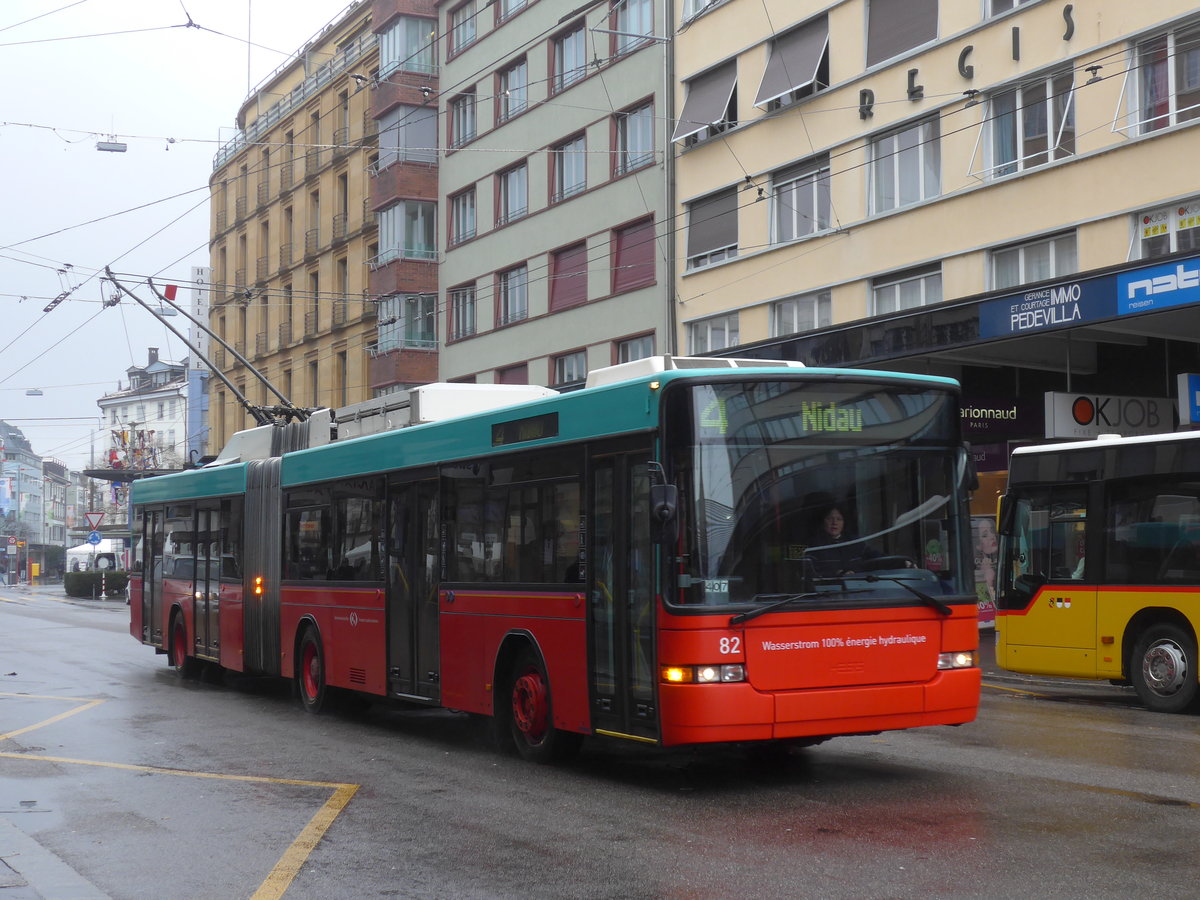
(1056,306)
(1158,287)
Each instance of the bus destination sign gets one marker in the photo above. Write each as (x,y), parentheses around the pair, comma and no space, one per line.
(518,431)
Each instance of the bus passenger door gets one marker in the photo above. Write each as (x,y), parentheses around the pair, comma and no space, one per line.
(152,561)
(207,593)
(622,611)
(412,601)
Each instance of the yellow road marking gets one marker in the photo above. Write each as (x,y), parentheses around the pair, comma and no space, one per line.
(999,687)
(288,866)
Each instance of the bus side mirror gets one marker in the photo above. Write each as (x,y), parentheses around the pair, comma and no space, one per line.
(1006,515)
(664,504)
(970,472)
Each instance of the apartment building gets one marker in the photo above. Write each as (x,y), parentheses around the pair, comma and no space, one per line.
(293,230)
(403,196)
(553,187)
(998,190)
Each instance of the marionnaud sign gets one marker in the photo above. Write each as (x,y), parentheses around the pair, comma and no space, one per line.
(1056,306)
(1159,287)
(1088,415)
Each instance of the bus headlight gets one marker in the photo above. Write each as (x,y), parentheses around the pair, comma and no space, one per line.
(726,673)
(963,659)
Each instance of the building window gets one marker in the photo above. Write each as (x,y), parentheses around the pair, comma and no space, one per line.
(1169,229)
(408,134)
(406,230)
(693,8)
(640,347)
(1032,124)
(798,66)
(462,118)
(162,410)
(1168,70)
(518,374)
(568,276)
(797,314)
(634,138)
(406,320)
(906,290)
(507,8)
(513,189)
(462,26)
(407,44)
(462,312)
(799,201)
(712,229)
(570,368)
(462,216)
(570,58)
(894,26)
(996,7)
(711,105)
(633,249)
(512,292)
(905,166)
(710,335)
(569,160)
(512,91)
(631,20)
(1034,261)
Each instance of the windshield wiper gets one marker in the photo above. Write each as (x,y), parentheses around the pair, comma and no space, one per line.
(784,601)
(921,595)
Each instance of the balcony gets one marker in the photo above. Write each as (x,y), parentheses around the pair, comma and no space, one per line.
(339,311)
(312,241)
(285,334)
(239,348)
(310,322)
(312,162)
(264,192)
(339,226)
(239,208)
(285,256)
(222,220)
(341,142)
(260,344)
(261,268)
(239,281)
(218,358)
(286,176)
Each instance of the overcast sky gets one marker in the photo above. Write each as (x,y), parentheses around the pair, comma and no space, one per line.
(84,71)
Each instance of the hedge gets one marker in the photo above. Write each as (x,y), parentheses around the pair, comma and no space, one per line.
(87,584)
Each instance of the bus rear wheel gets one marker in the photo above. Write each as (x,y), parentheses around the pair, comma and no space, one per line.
(1162,668)
(186,666)
(531,718)
(310,673)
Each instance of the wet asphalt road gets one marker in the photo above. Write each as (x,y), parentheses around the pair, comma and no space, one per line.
(119,780)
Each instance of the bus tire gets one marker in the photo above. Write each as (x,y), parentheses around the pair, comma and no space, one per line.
(1162,668)
(187,666)
(531,716)
(315,694)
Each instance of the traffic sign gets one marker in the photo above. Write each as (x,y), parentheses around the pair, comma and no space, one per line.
(12,539)
(93,537)
(94,519)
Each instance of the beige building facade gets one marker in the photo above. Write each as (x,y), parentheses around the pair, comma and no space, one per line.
(293,231)
(952,188)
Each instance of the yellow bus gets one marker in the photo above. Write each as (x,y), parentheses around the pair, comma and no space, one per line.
(1099,571)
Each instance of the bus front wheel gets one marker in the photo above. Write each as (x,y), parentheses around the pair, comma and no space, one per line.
(186,666)
(531,719)
(1162,668)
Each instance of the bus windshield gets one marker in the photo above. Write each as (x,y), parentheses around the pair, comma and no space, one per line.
(838,490)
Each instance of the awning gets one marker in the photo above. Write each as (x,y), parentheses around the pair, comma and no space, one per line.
(707,100)
(795,58)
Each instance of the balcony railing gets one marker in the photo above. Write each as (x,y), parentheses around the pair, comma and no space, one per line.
(261,267)
(222,219)
(264,192)
(260,344)
(312,241)
(310,322)
(239,208)
(239,281)
(339,226)
(286,176)
(312,162)
(240,347)
(341,141)
(339,311)
(285,334)
(285,256)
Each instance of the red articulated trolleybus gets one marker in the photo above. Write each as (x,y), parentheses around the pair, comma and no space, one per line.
(642,559)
